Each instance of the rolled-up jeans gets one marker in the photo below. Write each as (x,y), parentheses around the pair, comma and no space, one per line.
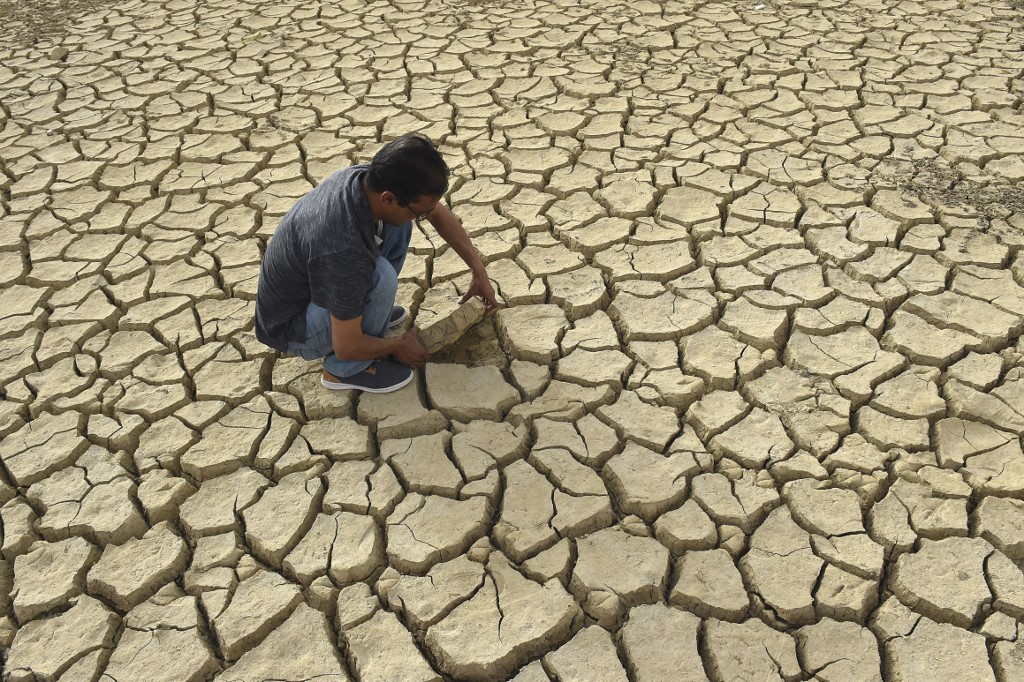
(376,308)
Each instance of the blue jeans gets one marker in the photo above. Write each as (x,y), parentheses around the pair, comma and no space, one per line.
(376,310)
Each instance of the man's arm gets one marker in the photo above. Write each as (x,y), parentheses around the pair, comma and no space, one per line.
(350,343)
(448,226)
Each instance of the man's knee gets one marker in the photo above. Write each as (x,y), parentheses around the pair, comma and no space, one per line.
(385,281)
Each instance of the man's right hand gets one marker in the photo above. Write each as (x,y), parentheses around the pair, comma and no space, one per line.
(409,351)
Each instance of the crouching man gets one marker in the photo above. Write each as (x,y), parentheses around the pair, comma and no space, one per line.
(329,277)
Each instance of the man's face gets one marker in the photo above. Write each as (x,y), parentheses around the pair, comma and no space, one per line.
(397,213)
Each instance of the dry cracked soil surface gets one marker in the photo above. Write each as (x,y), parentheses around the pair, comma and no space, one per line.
(752,410)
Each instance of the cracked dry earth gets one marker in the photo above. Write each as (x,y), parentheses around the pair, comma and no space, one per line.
(753,410)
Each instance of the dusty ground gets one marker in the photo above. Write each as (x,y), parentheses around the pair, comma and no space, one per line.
(753,410)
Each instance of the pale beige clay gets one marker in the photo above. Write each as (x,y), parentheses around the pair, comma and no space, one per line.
(750,407)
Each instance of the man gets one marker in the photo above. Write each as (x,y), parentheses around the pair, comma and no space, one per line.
(329,277)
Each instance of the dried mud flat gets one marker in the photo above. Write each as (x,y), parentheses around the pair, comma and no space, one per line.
(753,410)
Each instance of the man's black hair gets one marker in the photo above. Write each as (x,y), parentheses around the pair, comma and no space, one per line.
(409,167)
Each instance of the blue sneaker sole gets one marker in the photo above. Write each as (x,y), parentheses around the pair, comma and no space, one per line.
(342,386)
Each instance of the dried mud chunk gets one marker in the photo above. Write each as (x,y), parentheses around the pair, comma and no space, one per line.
(857,554)
(524,524)
(234,381)
(362,487)
(889,525)
(945,579)
(743,502)
(562,401)
(782,568)
(933,646)
(508,621)
(831,355)
(550,258)
(845,596)
(162,642)
(400,414)
(646,424)
(716,357)
(423,465)
(578,515)
(647,483)
(980,372)
(667,387)
(442,331)
(128,574)
(339,438)
(300,648)
(972,247)
(936,511)
(530,378)
(43,446)
(355,604)
(661,262)
(274,525)
(383,650)
(45,648)
(21,307)
(211,510)
(924,343)
(259,604)
(18,521)
(590,368)
(424,601)
(162,444)
(590,656)
(551,563)
(593,333)
(762,328)
(839,651)
(660,644)
(1008,659)
(1007,584)
(686,528)
(815,415)
(483,444)
(532,332)
(756,440)
(566,472)
(690,206)
(990,459)
(468,393)
(346,547)
(911,395)
(750,651)
(1002,407)
(823,510)
(92,500)
(423,531)
(994,286)
(49,575)
(1001,522)
(579,292)
(230,443)
(633,569)
(663,316)
(152,402)
(716,412)
(709,584)
(992,326)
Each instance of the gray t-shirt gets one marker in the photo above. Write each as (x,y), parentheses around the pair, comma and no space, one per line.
(323,251)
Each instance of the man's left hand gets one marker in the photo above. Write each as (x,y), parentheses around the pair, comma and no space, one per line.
(481,286)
